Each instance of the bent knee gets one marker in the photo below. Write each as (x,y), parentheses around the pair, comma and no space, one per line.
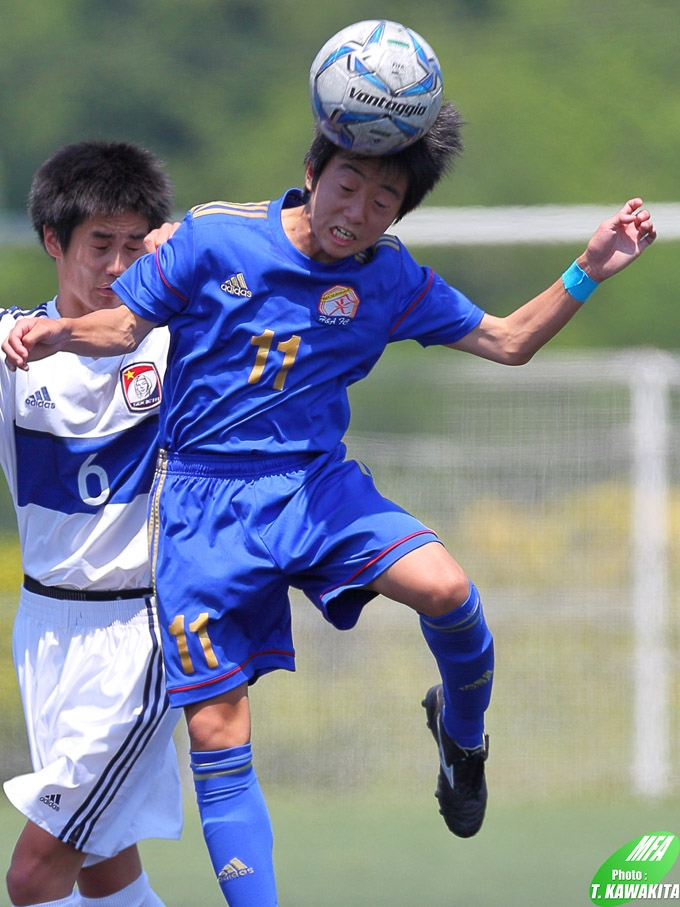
(445,594)
(42,868)
(221,722)
(25,884)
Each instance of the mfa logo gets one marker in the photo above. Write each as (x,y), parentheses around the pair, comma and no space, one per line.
(636,870)
(141,386)
(338,305)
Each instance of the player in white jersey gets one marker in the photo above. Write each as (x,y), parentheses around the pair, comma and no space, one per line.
(78,446)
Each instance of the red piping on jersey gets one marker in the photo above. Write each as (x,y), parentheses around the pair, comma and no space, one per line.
(415,303)
(378,557)
(207,683)
(168,285)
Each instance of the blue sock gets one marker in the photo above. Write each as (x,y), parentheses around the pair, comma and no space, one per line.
(236,825)
(463,648)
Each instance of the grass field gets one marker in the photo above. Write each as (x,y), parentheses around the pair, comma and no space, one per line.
(383,848)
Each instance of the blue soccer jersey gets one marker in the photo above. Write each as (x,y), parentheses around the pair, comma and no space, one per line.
(264,340)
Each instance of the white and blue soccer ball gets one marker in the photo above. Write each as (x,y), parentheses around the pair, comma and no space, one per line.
(375,87)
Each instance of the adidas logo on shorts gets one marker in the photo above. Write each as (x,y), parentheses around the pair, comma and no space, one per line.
(52,800)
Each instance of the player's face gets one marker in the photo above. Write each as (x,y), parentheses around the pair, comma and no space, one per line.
(352,205)
(101,248)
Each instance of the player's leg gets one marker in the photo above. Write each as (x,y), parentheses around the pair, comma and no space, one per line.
(105,770)
(42,869)
(452,621)
(345,542)
(234,815)
(225,613)
(119,881)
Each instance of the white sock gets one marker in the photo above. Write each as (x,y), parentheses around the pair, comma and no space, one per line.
(137,894)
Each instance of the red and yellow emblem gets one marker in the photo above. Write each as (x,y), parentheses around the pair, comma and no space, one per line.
(339,302)
(141,386)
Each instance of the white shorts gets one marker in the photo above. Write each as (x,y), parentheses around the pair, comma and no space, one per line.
(99,725)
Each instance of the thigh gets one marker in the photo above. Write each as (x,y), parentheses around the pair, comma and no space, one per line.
(428,580)
(338,534)
(42,867)
(46,869)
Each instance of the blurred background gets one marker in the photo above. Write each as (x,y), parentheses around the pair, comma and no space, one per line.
(557,485)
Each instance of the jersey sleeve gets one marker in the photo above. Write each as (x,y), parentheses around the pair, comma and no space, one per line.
(158,285)
(434,312)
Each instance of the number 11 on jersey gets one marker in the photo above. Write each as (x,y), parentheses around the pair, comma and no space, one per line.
(289,348)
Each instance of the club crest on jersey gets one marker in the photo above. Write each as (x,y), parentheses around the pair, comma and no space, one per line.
(141,386)
(338,305)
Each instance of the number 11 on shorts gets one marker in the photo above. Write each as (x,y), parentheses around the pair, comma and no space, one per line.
(199,628)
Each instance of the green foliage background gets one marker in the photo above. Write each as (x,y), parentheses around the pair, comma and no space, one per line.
(568,101)
(565,102)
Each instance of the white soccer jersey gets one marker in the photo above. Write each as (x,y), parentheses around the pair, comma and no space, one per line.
(78,449)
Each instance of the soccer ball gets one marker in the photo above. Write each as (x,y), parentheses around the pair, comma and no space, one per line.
(375,87)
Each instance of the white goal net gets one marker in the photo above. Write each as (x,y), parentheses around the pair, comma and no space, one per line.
(557,487)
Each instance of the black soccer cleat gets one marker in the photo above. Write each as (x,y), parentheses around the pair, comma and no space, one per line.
(461,787)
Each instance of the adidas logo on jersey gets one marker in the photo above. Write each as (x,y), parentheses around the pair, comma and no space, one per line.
(234,869)
(236,286)
(40,398)
(52,800)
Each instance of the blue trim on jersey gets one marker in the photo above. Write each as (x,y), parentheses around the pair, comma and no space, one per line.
(40,311)
(49,468)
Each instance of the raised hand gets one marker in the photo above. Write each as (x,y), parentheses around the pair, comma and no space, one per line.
(618,241)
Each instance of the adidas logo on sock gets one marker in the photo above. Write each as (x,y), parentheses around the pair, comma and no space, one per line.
(236,286)
(41,399)
(234,869)
(52,800)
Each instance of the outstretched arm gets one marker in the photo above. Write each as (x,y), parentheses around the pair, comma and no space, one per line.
(107,332)
(514,339)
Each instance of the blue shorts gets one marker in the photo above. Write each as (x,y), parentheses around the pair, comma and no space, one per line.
(231,535)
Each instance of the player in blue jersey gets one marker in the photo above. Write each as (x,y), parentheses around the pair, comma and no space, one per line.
(274,309)
(78,448)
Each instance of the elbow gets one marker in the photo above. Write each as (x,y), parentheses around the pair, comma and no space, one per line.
(515,354)
(521,347)
(519,357)
(515,347)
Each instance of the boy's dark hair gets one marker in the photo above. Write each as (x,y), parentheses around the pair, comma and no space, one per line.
(424,162)
(94,179)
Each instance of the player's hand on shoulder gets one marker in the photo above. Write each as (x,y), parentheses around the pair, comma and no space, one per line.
(618,241)
(161,234)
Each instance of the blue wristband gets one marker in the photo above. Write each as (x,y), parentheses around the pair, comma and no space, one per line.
(577,283)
